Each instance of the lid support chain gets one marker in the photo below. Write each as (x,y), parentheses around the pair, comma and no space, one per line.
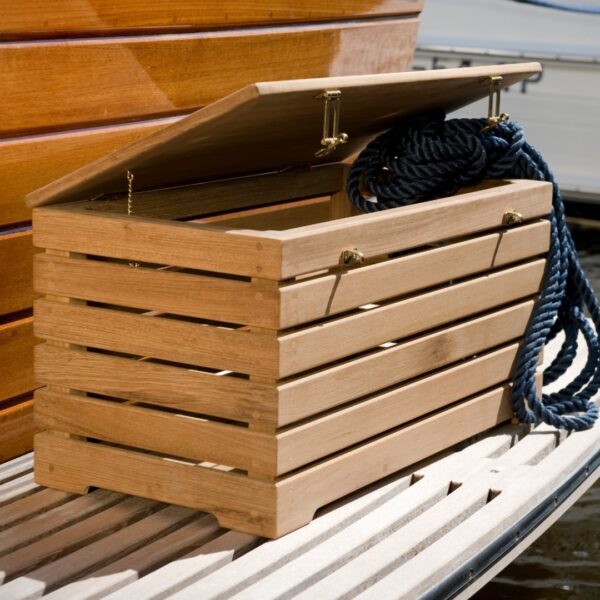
(332,138)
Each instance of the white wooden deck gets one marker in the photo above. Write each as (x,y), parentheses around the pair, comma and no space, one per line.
(398,539)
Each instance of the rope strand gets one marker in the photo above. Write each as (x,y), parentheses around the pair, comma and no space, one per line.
(427,157)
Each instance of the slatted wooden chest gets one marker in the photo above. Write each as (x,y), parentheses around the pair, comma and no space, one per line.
(207,346)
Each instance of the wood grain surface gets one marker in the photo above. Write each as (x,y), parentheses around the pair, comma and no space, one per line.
(16,358)
(29,162)
(16,429)
(325,342)
(16,267)
(168,339)
(186,390)
(45,18)
(56,85)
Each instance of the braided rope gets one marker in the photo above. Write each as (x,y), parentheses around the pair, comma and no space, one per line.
(426,157)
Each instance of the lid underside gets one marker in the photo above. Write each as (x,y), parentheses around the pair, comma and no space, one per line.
(272,126)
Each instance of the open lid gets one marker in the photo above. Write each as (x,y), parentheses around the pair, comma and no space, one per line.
(271,126)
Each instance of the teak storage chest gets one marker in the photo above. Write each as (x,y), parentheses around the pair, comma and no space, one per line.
(207,346)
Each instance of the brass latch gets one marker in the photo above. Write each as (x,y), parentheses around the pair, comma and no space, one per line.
(352,257)
(331,123)
(512,217)
(495,117)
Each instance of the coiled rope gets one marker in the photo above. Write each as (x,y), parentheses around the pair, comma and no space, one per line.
(427,157)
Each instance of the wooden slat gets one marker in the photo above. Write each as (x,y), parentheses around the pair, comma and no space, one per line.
(186,201)
(159,76)
(178,574)
(16,429)
(219,299)
(234,499)
(143,381)
(42,501)
(519,496)
(399,546)
(27,163)
(314,346)
(96,554)
(16,270)
(71,464)
(16,467)
(283,216)
(36,18)
(16,358)
(349,380)
(371,461)
(180,435)
(331,294)
(56,518)
(315,247)
(74,536)
(17,488)
(158,550)
(178,244)
(340,429)
(168,339)
(423,484)
(403,543)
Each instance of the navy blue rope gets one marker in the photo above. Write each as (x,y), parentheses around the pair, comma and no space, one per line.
(427,157)
(576,8)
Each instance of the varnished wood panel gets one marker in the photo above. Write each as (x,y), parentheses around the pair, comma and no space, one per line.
(189,245)
(333,293)
(314,346)
(180,435)
(45,18)
(16,358)
(359,421)
(329,387)
(27,163)
(274,125)
(16,429)
(54,85)
(186,390)
(319,246)
(215,298)
(232,496)
(159,337)
(16,263)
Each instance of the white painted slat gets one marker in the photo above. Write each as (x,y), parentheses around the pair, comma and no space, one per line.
(184,571)
(16,467)
(46,578)
(120,573)
(17,488)
(74,536)
(343,532)
(403,544)
(519,495)
(42,500)
(55,519)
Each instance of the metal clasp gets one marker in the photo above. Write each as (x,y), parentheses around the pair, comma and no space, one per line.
(331,123)
(351,257)
(494,115)
(512,217)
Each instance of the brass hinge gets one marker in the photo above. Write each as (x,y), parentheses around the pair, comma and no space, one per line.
(331,123)
(495,117)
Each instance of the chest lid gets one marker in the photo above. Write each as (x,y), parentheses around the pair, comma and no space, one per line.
(272,126)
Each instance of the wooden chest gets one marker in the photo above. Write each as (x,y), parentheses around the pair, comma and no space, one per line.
(209,342)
